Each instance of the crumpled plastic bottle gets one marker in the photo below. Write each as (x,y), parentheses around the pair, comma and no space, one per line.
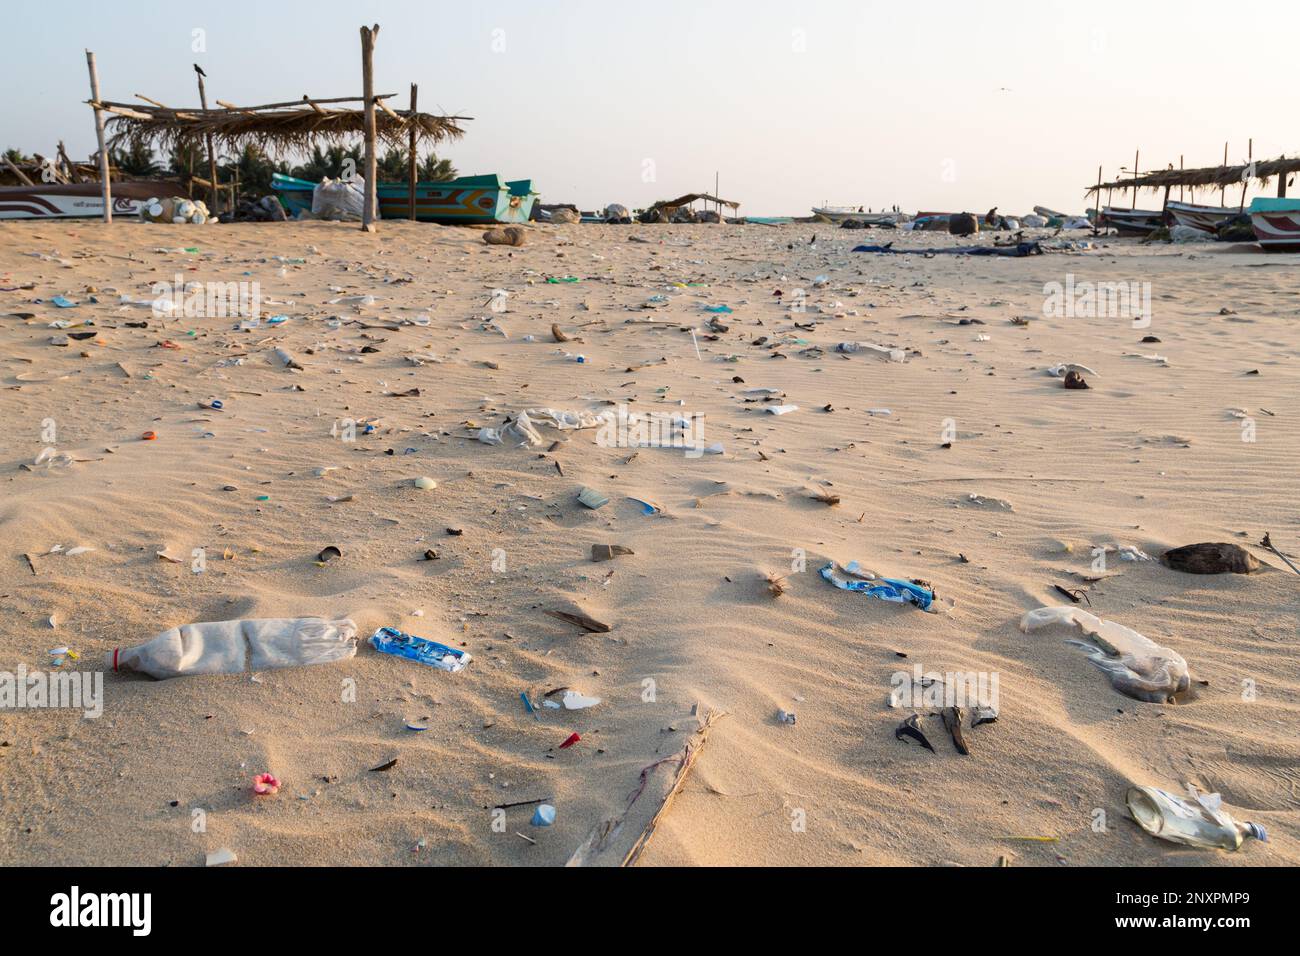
(232,647)
(1200,822)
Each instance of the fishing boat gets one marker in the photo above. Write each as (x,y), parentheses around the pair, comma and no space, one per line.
(1131,222)
(467,200)
(78,200)
(1276,223)
(1205,218)
(841,213)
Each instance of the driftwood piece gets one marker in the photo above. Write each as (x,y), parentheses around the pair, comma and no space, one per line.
(582,621)
(608,552)
(603,844)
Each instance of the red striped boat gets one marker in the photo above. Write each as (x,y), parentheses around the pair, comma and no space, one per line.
(1277,224)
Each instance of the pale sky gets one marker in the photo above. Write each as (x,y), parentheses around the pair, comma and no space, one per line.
(939,105)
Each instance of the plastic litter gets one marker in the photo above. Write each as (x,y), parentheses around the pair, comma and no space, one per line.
(1136,666)
(338,200)
(389,640)
(886,589)
(232,647)
(544,815)
(881,351)
(1200,821)
(592,499)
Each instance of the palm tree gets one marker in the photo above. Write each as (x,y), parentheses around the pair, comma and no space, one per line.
(137,160)
(435,170)
(392,167)
(328,163)
(253,169)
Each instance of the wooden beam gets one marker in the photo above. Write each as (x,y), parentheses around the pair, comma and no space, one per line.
(370,210)
(212,155)
(106,189)
(69,169)
(1136,157)
(1245,174)
(410,159)
(1223,190)
(1096,207)
(120,110)
(22,176)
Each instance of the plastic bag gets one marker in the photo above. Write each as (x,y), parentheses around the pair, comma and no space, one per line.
(340,200)
(1136,666)
(232,647)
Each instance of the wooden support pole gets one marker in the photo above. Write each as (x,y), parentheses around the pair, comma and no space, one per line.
(22,176)
(1223,190)
(106,190)
(69,170)
(1136,156)
(1096,206)
(212,156)
(411,159)
(371,209)
(1245,174)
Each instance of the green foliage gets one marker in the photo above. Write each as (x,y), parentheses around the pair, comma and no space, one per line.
(254,169)
(137,160)
(328,163)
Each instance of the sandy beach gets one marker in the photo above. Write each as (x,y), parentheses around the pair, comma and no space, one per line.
(966,465)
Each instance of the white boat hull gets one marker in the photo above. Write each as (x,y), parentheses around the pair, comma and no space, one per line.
(1205,218)
(76,200)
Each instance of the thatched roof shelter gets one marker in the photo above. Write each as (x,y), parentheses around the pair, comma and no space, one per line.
(690,198)
(275,127)
(1215,177)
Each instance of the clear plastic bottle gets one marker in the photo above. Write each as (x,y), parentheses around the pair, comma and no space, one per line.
(232,647)
(1201,822)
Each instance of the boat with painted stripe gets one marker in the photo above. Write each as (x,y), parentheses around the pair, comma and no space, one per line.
(1276,223)
(78,200)
(1207,219)
(1131,222)
(467,200)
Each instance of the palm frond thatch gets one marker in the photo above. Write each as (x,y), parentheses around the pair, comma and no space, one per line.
(1216,177)
(278,128)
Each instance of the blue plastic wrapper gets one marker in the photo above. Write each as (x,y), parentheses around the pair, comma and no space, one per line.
(886,589)
(389,640)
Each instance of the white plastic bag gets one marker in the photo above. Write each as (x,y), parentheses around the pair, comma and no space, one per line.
(232,647)
(337,199)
